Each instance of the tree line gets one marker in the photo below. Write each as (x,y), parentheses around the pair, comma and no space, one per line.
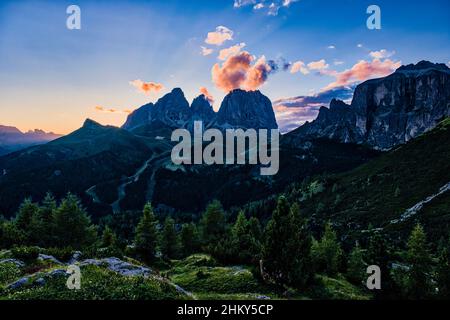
(282,252)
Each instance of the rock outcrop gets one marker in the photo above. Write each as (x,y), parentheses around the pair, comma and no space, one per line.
(388,111)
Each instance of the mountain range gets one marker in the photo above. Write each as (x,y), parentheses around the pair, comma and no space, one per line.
(12,139)
(114,169)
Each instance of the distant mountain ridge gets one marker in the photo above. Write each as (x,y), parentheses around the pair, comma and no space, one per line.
(388,111)
(12,139)
(239,109)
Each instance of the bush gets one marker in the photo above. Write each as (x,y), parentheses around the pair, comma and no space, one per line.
(62,254)
(25,254)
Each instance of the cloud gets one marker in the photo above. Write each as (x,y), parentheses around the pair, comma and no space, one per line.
(241,71)
(231,51)
(363,70)
(293,112)
(147,87)
(338,62)
(206,51)
(219,36)
(331,47)
(110,110)
(207,95)
(382,54)
(359,45)
(272,6)
(299,66)
(318,65)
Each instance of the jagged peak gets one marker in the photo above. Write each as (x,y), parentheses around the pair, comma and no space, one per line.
(89,123)
(337,104)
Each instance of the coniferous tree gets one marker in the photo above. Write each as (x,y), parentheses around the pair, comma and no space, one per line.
(169,240)
(287,247)
(327,253)
(73,227)
(418,276)
(42,225)
(25,217)
(246,248)
(109,239)
(146,235)
(190,241)
(356,267)
(213,226)
(443,272)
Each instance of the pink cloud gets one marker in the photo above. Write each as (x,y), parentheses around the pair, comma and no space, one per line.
(147,87)
(238,71)
(318,65)
(208,96)
(363,70)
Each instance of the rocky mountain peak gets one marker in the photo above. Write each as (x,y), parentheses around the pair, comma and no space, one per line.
(388,111)
(91,124)
(246,109)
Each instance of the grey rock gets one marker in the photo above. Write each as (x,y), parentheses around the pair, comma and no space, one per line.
(19,283)
(18,263)
(122,267)
(139,117)
(75,257)
(40,282)
(44,257)
(57,273)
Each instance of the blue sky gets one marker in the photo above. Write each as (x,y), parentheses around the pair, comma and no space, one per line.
(53,78)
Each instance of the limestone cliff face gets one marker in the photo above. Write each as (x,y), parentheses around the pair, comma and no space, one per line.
(388,111)
(246,109)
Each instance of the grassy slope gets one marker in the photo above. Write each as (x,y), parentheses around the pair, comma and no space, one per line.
(382,189)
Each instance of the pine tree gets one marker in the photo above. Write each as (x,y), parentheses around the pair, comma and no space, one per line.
(73,227)
(213,225)
(443,272)
(42,226)
(25,218)
(327,252)
(190,241)
(287,247)
(109,239)
(245,246)
(146,235)
(170,245)
(417,280)
(356,267)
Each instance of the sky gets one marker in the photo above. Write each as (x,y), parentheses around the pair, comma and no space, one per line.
(299,53)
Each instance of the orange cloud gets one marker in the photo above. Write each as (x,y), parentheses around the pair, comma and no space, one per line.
(147,87)
(362,71)
(207,95)
(110,110)
(237,71)
(318,65)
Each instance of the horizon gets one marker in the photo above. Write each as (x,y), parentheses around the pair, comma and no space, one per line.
(129,54)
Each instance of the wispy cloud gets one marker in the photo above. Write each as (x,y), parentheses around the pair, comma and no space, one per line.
(147,87)
(381,54)
(363,70)
(318,65)
(206,51)
(208,96)
(111,110)
(270,7)
(299,66)
(295,111)
(219,36)
(331,47)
